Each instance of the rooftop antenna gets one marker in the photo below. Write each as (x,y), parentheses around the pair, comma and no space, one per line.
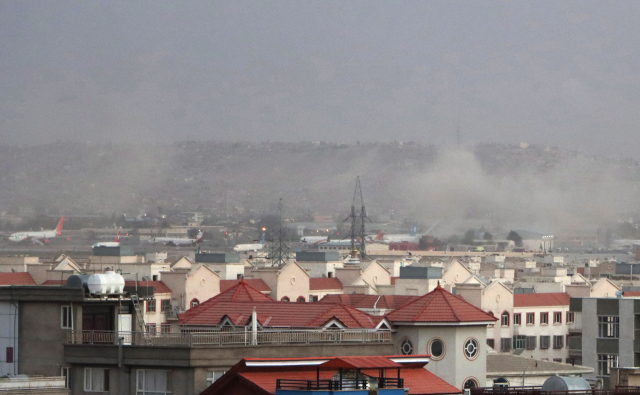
(280,252)
(358,233)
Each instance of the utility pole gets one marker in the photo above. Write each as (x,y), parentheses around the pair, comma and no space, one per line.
(280,252)
(358,233)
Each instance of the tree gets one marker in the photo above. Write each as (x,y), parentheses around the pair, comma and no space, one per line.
(515,237)
(488,236)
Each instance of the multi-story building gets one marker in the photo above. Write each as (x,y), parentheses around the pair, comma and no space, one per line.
(605,334)
(540,325)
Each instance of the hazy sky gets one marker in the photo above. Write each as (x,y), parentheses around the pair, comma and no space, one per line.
(547,72)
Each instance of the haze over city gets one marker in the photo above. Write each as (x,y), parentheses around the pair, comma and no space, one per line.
(546,72)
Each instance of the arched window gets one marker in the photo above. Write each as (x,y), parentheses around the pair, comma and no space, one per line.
(285,299)
(301,299)
(194,303)
(505,318)
(471,382)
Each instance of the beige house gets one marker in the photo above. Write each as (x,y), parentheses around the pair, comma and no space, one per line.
(191,288)
(454,272)
(604,288)
(289,283)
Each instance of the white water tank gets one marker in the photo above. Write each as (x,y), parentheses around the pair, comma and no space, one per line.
(107,283)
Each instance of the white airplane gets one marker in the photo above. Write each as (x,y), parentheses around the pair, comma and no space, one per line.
(41,237)
(314,239)
(412,237)
(250,247)
(115,243)
(178,242)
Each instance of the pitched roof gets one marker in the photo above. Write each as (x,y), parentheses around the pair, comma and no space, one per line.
(272,313)
(321,283)
(20,278)
(256,283)
(159,287)
(417,379)
(542,299)
(439,306)
(240,291)
(361,301)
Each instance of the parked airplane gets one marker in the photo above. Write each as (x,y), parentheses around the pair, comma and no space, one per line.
(115,243)
(315,240)
(250,247)
(41,237)
(412,237)
(178,242)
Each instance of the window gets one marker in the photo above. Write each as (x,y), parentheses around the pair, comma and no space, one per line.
(505,319)
(531,318)
(66,317)
(471,348)
(9,355)
(470,383)
(557,317)
(491,343)
(152,382)
(406,346)
(151,306)
(558,342)
(239,276)
(518,342)
(194,303)
(544,318)
(212,377)
(96,379)
(531,343)
(516,319)
(605,363)
(64,372)
(330,274)
(165,305)
(559,360)
(544,342)
(436,349)
(313,298)
(300,299)
(151,328)
(609,326)
(285,299)
(569,317)
(165,328)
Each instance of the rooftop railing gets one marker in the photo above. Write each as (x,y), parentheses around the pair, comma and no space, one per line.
(538,391)
(237,338)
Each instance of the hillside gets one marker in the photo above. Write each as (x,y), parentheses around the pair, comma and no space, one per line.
(497,183)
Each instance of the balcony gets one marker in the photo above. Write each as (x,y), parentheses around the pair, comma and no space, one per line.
(336,385)
(232,339)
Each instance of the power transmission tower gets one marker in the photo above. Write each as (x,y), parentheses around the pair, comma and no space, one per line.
(358,233)
(280,252)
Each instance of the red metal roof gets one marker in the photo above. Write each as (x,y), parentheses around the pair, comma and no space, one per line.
(316,284)
(360,301)
(256,283)
(158,286)
(272,313)
(361,362)
(21,278)
(439,306)
(416,378)
(632,293)
(543,299)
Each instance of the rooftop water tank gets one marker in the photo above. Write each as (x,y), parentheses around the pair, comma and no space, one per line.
(557,383)
(79,281)
(107,283)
